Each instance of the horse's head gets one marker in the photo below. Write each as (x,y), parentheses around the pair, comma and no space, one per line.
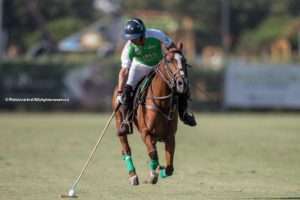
(175,66)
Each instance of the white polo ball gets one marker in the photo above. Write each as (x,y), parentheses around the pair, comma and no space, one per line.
(71,192)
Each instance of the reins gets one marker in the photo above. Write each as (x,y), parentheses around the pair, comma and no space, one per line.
(169,78)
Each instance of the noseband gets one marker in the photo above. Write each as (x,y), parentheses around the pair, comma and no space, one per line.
(170,77)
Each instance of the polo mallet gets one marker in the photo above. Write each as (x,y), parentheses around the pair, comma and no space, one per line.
(71,192)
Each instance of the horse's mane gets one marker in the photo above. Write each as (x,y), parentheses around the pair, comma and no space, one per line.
(173,51)
(169,54)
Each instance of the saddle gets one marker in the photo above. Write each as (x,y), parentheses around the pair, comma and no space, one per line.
(141,91)
(139,96)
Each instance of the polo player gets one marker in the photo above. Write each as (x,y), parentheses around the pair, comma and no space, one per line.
(141,53)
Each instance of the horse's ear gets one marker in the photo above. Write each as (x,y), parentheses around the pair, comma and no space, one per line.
(179,46)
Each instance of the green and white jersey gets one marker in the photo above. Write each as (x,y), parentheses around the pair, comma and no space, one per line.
(150,53)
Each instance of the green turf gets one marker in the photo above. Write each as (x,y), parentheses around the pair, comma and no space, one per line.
(235,156)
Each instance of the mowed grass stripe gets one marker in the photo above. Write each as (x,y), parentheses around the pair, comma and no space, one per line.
(228,156)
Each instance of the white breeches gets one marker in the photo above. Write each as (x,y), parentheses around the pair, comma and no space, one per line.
(137,71)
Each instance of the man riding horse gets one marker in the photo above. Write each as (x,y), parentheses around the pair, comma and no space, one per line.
(141,54)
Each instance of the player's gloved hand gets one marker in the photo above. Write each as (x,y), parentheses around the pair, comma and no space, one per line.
(120,98)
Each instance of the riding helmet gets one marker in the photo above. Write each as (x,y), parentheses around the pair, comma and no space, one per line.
(134,29)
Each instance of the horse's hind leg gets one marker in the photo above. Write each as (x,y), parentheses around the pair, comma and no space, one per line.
(154,163)
(126,154)
(169,154)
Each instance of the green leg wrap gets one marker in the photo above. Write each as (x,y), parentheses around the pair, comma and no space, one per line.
(128,163)
(153,164)
(163,173)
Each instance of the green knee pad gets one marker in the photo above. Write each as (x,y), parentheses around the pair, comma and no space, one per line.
(128,163)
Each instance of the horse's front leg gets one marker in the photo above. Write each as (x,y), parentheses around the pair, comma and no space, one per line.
(152,152)
(126,151)
(169,154)
(127,157)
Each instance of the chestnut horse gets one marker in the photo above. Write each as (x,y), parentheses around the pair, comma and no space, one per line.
(157,118)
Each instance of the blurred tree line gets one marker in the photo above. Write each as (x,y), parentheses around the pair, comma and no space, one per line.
(245,16)
(252,24)
(25,21)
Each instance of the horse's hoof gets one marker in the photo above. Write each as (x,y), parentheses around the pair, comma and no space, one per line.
(134,180)
(165,172)
(153,178)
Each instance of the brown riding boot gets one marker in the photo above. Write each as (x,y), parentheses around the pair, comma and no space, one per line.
(186,117)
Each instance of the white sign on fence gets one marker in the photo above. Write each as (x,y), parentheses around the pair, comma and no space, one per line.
(262,86)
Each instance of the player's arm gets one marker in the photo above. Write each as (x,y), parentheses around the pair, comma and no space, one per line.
(166,41)
(126,60)
(123,75)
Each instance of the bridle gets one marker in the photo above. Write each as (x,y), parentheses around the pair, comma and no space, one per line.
(169,77)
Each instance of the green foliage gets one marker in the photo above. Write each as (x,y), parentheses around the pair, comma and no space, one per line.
(21,24)
(59,9)
(59,28)
(269,30)
(279,7)
(163,23)
(246,17)
(247,14)
(64,27)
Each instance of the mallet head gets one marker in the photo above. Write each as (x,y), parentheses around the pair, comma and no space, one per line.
(71,194)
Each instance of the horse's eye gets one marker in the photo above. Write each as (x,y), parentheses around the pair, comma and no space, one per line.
(169,57)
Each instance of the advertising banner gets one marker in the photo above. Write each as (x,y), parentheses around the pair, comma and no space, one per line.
(262,86)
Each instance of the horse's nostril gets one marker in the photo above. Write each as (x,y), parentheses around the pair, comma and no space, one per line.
(180,83)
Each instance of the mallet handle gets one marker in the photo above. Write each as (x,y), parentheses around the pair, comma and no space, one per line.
(91,155)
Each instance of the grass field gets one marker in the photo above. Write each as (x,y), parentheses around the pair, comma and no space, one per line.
(228,156)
